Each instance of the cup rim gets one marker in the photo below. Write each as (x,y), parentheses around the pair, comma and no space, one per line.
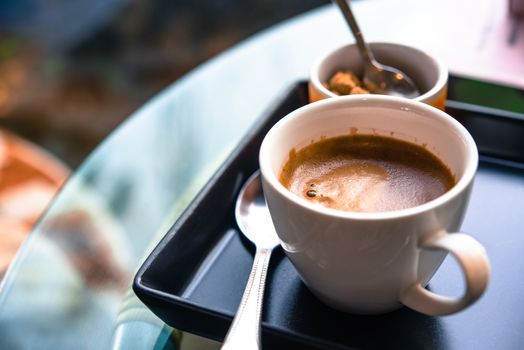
(363,101)
(440,84)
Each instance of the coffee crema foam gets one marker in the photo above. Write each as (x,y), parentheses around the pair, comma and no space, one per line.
(366,173)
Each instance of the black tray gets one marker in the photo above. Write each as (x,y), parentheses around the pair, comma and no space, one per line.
(194,278)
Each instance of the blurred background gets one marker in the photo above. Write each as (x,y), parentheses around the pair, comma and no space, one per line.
(72,70)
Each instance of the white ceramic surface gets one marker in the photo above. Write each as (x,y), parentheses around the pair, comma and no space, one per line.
(375,262)
(429,73)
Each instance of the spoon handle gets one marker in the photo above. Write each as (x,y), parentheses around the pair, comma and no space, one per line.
(352,22)
(244,332)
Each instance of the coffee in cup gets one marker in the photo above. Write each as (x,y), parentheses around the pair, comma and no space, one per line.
(366,173)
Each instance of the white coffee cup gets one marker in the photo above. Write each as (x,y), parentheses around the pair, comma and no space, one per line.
(371,263)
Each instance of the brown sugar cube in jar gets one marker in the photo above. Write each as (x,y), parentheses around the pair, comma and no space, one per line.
(359,90)
(342,82)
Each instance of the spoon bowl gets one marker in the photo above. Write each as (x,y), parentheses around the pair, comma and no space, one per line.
(386,80)
(252,214)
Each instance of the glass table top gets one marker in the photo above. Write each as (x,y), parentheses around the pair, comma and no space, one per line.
(70,283)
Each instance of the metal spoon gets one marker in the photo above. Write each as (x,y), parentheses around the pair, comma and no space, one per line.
(378,78)
(255,223)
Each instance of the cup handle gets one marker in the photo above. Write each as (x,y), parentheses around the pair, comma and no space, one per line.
(472,258)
